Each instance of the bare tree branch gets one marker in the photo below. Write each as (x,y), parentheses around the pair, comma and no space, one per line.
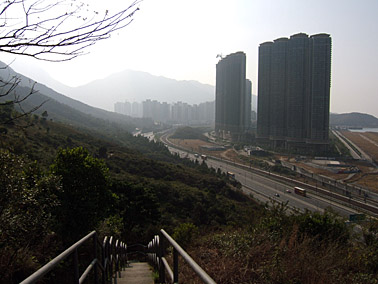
(50,30)
(56,31)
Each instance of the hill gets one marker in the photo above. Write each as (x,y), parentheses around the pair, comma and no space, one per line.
(67,110)
(138,86)
(353,119)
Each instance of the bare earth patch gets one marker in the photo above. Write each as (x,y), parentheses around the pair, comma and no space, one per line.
(367,141)
(191,144)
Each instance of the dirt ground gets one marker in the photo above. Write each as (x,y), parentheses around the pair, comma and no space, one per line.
(194,146)
(367,141)
(191,144)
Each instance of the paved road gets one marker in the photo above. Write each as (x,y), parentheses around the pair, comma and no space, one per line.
(266,190)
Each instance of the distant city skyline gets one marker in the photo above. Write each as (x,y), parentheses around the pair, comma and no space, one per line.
(172,113)
(181,39)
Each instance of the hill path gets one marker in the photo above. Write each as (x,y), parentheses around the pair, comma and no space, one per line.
(137,273)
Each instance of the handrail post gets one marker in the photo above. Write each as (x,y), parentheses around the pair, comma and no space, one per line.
(175,266)
(95,271)
(156,251)
(105,272)
(161,255)
(111,259)
(76,266)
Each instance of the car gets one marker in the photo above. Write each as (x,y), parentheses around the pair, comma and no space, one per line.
(276,195)
(288,190)
(196,155)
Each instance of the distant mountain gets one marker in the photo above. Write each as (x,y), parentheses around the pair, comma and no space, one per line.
(67,110)
(353,119)
(139,86)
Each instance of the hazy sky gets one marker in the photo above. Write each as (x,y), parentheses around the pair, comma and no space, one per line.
(180,39)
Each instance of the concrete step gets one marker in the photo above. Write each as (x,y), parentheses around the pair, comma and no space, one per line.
(137,273)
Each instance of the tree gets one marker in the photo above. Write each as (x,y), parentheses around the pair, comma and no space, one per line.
(27,198)
(138,206)
(56,30)
(86,194)
(53,31)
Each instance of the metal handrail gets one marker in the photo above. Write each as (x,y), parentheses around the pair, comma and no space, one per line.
(113,259)
(156,256)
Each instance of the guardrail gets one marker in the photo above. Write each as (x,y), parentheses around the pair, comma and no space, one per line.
(156,255)
(113,258)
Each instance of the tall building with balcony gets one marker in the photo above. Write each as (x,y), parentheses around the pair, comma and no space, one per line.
(248,104)
(230,96)
(294,91)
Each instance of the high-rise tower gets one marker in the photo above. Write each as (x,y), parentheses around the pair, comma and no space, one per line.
(294,91)
(248,103)
(230,95)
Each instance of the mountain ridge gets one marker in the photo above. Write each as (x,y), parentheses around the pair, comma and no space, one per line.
(133,88)
(66,109)
(130,85)
(353,119)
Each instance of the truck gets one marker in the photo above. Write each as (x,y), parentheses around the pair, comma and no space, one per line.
(231,175)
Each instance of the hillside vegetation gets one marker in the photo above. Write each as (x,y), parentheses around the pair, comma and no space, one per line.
(189,133)
(72,182)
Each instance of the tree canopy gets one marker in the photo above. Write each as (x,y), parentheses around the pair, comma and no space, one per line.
(85,197)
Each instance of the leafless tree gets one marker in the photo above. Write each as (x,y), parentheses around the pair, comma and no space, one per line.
(52,30)
(56,30)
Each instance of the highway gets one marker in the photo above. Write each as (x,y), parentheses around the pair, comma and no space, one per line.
(268,190)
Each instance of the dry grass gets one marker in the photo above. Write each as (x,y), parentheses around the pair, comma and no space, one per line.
(289,260)
(364,143)
(191,144)
(372,135)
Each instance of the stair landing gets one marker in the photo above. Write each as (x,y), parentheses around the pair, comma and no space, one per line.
(137,273)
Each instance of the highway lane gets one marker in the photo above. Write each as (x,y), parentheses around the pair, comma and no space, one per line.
(268,190)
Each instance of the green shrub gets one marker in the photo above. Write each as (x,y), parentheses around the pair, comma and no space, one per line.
(185,233)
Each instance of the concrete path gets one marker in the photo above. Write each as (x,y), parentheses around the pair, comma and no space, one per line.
(137,273)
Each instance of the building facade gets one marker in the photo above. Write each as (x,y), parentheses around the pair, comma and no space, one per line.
(176,113)
(248,104)
(231,102)
(294,91)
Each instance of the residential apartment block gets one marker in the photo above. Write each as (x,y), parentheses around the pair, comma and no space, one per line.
(294,79)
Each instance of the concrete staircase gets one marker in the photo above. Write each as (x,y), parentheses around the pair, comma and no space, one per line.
(137,273)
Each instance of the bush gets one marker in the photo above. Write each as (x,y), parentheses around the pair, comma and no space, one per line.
(184,234)
(325,227)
